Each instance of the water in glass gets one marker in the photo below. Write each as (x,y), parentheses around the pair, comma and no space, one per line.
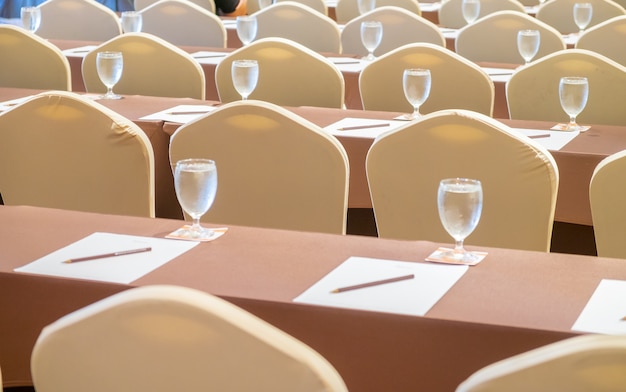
(245,76)
(31,18)
(132,21)
(265,3)
(528,42)
(416,84)
(573,93)
(195,182)
(460,204)
(246,28)
(366,6)
(371,35)
(582,15)
(109,66)
(471,10)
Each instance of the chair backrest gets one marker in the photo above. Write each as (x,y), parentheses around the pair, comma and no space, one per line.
(519,178)
(171,338)
(346,10)
(183,23)
(560,13)
(208,5)
(152,66)
(78,20)
(318,5)
(275,169)
(493,38)
(608,210)
(62,150)
(579,364)
(606,38)
(400,27)
(451,11)
(301,24)
(457,83)
(289,75)
(28,61)
(533,91)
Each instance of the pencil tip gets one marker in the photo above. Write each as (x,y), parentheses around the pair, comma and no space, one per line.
(67,261)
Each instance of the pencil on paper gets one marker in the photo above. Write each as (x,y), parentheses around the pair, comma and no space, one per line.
(189,112)
(105,255)
(539,136)
(374,283)
(363,127)
(339,62)
(208,56)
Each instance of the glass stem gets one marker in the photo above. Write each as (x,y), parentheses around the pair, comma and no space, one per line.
(458,246)
(196,223)
(416,111)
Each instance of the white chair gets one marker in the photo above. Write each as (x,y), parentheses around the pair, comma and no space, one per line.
(519,177)
(208,5)
(275,169)
(318,5)
(183,23)
(560,13)
(78,20)
(170,338)
(346,10)
(606,38)
(400,27)
(580,364)
(451,14)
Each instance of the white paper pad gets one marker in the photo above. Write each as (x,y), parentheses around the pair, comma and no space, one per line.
(605,309)
(80,51)
(119,269)
(555,142)
(6,105)
(571,39)
(430,7)
(499,74)
(348,64)
(449,33)
(205,57)
(333,128)
(412,297)
(181,113)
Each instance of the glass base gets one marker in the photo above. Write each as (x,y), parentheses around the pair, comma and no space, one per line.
(110,96)
(461,256)
(369,57)
(197,233)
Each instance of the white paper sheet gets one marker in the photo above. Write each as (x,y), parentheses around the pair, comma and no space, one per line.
(554,142)
(348,64)
(605,310)
(181,113)
(499,74)
(6,105)
(412,297)
(206,57)
(80,51)
(386,125)
(119,269)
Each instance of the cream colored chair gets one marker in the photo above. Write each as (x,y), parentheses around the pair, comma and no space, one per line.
(299,23)
(493,38)
(28,61)
(533,91)
(560,13)
(400,27)
(346,10)
(519,177)
(318,5)
(451,14)
(606,38)
(78,20)
(580,364)
(152,66)
(62,150)
(608,210)
(457,83)
(289,75)
(275,169)
(170,338)
(183,23)
(208,5)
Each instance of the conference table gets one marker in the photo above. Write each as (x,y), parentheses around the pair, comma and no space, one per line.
(511,302)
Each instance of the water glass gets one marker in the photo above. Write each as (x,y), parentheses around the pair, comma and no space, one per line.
(265,3)
(416,84)
(245,76)
(366,6)
(582,15)
(371,36)
(109,66)
(31,18)
(246,28)
(132,21)
(471,10)
(573,93)
(528,42)
(195,182)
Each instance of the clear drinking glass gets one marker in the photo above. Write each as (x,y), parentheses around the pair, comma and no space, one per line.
(528,42)
(109,66)
(31,18)
(195,181)
(582,15)
(416,85)
(245,76)
(371,35)
(471,10)
(366,6)
(246,28)
(573,93)
(132,21)
(265,3)
(460,204)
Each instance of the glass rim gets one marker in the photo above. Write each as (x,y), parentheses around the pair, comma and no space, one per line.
(528,31)
(573,78)
(245,61)
(191,161)
(460,180)
(371,23)
(109,53)
(417,70)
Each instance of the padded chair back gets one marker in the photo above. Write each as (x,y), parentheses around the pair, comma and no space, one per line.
(170,338)
(533,91)
(28,61)
(318,5)
(494,38)
(183,23)
(606,38)
(580,364)
(275,169)
(560,13)
(152,66)
(451,11)
(78,20)
(346,10)
(400,27)
(62,150)
(301,24)
(519,179)
(208,5)
(457,83)
(289,75)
